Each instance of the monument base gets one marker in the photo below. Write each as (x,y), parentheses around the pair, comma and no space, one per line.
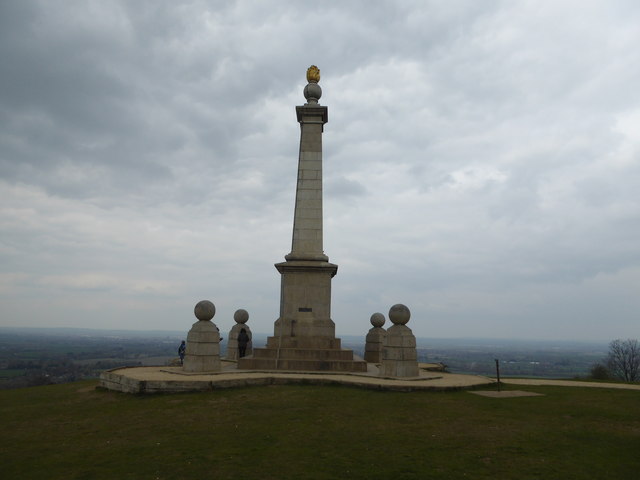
(322,354)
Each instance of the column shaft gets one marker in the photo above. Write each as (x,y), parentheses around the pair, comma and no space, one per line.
(306,243)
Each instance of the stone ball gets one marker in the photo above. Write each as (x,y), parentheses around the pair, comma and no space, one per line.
(399,314)
(241,316)
(204,310)
(312,90)
(377,319)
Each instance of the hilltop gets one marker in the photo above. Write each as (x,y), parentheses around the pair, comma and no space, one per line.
(317,432)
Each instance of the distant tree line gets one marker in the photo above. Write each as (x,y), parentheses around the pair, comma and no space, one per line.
(33,359)
(622,362)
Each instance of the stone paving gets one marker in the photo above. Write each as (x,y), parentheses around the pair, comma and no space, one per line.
(175,379)
(163,379)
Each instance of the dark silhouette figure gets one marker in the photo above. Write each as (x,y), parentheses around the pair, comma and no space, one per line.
(181,351)
(243,340)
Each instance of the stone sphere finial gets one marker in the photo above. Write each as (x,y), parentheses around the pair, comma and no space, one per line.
(204,310)
(377,319)
(241,316)
(399,314)
(313,92)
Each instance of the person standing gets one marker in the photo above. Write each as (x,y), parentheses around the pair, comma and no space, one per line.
(243,340)
(181,351)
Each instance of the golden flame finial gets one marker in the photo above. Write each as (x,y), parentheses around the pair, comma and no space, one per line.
(313,74)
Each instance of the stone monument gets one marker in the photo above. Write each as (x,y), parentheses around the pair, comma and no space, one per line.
(304,334)
(241,317)
(375,339)
(203,341)
(399,355)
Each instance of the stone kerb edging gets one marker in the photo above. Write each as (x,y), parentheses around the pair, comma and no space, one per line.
(302,372)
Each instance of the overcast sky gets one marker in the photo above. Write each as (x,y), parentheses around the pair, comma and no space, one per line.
(481,162)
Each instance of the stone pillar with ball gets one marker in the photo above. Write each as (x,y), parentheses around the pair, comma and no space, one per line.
(241,317)
(375,339)
(203,341)
(399,355)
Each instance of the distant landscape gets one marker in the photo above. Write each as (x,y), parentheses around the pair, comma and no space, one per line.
(30,357)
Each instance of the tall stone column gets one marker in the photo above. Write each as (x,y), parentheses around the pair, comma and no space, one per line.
(306,243)
(304,334)
(305,303)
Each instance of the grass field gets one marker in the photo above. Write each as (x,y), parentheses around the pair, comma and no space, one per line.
(11,372)
(73,431)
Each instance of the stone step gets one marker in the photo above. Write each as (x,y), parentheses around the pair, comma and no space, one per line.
(311,343)
(252,363)
(303,354)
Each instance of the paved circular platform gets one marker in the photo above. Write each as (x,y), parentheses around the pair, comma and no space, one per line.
(174,379)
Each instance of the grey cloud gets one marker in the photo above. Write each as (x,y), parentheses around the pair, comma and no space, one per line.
(480,160)
(344,187)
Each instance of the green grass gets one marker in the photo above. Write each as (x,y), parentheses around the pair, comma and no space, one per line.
(73,431)
(12,372)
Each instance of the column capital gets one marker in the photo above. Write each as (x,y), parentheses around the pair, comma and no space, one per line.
(312,114)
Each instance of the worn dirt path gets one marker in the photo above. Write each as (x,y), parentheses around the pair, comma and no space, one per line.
(568,383)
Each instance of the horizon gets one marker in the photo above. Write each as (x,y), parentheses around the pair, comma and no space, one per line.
(178,333)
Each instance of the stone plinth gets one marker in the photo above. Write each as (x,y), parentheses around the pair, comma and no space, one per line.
(203,341)
(375,339)
(203,348)
(305,309)
(399,355)
(374,344)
